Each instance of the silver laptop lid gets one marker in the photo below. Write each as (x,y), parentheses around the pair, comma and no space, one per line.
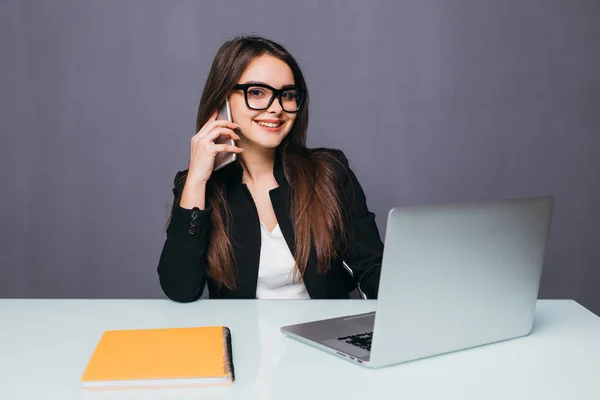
(457,276)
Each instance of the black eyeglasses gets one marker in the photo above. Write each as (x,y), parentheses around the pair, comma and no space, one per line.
(260,96)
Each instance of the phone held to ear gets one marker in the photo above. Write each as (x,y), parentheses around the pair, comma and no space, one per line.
(224,158)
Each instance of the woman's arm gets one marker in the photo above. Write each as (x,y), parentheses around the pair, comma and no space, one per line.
(365,248)
(183,258)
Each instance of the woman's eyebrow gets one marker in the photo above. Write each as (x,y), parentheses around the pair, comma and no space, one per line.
(289,86)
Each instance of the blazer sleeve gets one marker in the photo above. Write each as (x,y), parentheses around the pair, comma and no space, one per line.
(181,267)
(364,252)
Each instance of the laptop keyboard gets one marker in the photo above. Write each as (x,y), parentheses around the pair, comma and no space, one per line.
(362,340)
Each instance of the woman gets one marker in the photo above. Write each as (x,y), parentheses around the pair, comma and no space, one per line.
(282,221)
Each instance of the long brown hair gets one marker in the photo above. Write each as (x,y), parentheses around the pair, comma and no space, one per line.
(311,174)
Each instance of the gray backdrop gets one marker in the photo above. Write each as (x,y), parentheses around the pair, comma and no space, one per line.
(432,101)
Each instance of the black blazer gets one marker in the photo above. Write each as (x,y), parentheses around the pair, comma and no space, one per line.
(182,262)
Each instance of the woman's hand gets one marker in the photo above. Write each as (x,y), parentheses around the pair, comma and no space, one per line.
(203,149)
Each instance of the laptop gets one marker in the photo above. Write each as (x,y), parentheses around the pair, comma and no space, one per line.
(453,277)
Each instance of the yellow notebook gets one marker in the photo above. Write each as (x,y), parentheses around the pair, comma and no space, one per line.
(172,357)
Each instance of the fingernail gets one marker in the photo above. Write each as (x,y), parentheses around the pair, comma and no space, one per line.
(237,136)
(236,125)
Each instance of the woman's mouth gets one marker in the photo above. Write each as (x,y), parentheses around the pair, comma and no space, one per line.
(271,125)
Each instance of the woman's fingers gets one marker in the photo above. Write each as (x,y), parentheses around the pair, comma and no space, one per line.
(215,133)
(227,148)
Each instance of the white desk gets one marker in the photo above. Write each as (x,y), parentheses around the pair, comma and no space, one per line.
(46,344)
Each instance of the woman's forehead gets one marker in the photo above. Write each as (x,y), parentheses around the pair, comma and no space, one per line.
(270,70)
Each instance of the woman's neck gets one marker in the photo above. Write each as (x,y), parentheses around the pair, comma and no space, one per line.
(258,165)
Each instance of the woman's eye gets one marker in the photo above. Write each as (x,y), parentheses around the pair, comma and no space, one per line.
(256,92)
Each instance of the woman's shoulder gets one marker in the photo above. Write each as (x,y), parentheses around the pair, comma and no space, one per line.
(334,157)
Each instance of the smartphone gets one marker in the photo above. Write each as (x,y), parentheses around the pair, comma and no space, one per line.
(224,158)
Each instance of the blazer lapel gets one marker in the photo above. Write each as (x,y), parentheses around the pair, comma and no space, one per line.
(282,204)
(244,229)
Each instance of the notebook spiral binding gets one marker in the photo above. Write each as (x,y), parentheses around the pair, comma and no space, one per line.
(228,353)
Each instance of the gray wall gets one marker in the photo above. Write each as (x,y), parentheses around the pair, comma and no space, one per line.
(432,101)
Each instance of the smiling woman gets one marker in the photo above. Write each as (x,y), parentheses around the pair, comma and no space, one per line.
(282,221)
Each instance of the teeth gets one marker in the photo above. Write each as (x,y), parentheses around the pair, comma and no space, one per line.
(268,124)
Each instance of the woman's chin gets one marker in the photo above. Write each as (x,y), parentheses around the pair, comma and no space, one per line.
(266,142)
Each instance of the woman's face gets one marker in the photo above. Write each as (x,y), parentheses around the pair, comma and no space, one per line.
(266,128)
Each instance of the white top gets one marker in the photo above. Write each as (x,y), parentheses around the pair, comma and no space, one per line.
(45,345)
(276,268)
